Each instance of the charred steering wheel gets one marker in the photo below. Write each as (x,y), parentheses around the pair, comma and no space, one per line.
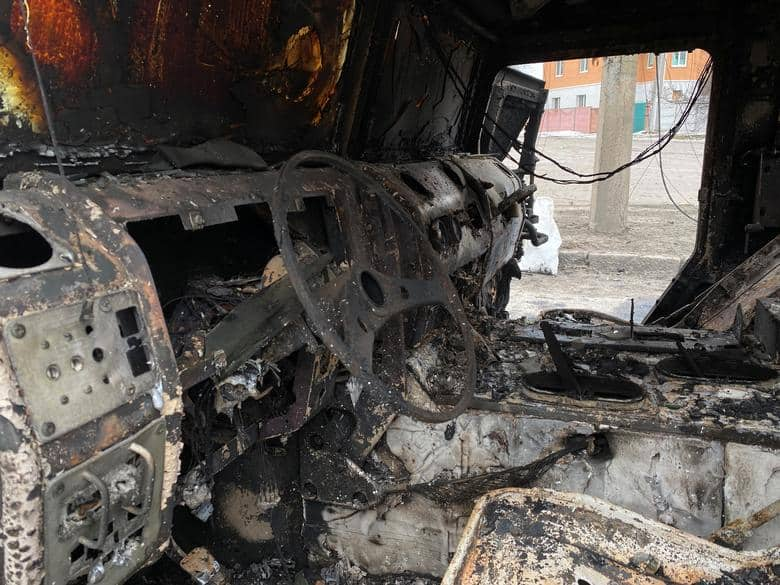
(370,294)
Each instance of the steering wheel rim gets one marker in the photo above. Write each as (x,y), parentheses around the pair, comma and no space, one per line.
(361,312)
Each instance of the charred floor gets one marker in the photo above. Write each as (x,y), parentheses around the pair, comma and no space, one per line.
(255,259)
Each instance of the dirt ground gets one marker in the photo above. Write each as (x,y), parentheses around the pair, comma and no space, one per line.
(652,230)
(682,161)
(604,272)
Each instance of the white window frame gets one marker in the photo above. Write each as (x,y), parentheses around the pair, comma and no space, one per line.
(555,103)
(650,60)
(559,69)
(583,65)
(680,59)
(582,97)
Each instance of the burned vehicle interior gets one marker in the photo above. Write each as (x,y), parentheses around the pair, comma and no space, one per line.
(255,259)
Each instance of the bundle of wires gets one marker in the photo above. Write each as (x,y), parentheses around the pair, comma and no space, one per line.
(582,178)
(660,158)
(651,150)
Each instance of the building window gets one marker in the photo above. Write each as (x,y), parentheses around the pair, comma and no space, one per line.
(583,65)
(650,60)
(680,59)
(559,69)
(581,100)
(556,103)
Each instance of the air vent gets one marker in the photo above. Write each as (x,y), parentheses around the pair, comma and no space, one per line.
(21,246)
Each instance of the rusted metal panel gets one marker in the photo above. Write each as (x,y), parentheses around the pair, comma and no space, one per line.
(767,325)
(136,73)
(139,198)
(19,93)
(102,261)
(543,537)
(738,291)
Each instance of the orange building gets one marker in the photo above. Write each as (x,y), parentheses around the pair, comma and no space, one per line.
(576,84)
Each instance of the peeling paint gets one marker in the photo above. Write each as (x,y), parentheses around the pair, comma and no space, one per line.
(21,513)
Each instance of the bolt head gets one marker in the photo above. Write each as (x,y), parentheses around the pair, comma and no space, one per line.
(53,372)
(18,330)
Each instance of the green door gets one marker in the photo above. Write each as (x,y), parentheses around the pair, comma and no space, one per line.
(639,117)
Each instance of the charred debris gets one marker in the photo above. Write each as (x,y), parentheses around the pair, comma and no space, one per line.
(255,259)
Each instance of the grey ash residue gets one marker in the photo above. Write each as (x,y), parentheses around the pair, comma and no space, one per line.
(760,406)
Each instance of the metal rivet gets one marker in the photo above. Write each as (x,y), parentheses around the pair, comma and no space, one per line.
(53,372)
(88,390)
(44,344)
(105,305)
(64,399)
(68,337)
(48,429)
(77,363)
(131,390)
(18,331)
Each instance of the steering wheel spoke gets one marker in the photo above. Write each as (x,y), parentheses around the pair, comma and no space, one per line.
(348,315)
(360,327)
(405,294)
(353,230)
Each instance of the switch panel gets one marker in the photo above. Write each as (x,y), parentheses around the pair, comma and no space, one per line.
(78,362)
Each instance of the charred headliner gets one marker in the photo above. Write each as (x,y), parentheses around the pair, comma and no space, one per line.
(155,70)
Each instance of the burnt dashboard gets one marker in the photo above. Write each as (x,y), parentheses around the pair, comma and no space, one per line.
(311,361)
(102,356)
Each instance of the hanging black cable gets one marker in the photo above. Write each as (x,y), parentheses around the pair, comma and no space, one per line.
(653,149)
(41,88)
(589,178)
(660,158)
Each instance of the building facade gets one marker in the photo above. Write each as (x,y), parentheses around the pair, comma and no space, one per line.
(575,88)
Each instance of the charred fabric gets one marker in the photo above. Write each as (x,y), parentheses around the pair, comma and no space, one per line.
(255,330)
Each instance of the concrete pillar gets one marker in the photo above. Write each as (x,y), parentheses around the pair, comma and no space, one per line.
(609,199)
